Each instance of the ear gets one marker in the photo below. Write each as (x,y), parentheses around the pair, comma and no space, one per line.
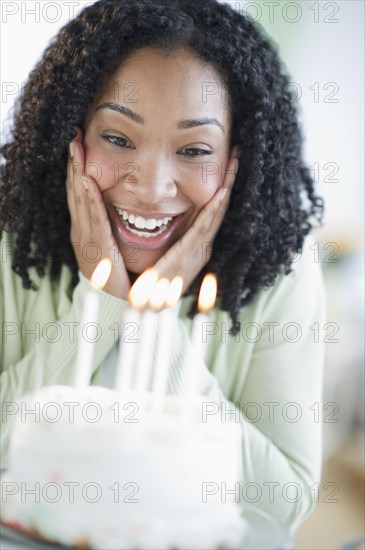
(235,151)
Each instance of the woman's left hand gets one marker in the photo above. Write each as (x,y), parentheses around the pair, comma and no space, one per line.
(188,256)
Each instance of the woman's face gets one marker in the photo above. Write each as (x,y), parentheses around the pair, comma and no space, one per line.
(157,143)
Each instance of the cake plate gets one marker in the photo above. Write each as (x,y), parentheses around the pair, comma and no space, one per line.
(13,539)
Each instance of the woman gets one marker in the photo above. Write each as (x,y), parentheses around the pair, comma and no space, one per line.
(144,107)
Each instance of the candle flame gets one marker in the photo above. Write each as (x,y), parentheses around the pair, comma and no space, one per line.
(174,291)
(141,290)
(159,293)
(101,274)
(208,293)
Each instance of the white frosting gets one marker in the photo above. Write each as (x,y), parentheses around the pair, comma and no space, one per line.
(133,478)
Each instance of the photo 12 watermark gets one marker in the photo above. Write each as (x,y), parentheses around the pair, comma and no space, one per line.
(270,491)
(72,492)
(71,412)
(270,412)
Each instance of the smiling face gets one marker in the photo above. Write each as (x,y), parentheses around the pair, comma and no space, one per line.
(158,147)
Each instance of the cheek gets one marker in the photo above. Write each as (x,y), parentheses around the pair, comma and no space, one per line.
(203,183)
(100,167)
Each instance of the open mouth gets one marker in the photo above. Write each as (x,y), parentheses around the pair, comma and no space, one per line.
(144,227)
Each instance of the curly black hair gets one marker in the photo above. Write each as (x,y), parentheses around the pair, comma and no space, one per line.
(273,204)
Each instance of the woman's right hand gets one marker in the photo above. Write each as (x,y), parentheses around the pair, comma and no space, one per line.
(91,233)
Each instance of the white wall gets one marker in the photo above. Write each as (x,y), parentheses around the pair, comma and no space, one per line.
(323,42)
(27,27)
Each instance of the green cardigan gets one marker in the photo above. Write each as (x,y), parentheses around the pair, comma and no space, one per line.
(268,377)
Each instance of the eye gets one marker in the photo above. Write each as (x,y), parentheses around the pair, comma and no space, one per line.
(195,152)
(117,141)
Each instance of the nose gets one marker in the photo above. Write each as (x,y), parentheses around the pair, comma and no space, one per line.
(152,180)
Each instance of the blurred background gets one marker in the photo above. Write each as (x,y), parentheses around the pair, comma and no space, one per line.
(322,46)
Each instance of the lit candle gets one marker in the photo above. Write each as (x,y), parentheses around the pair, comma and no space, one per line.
(168,295)
(84,361)
(142,290)
(207,296)
(138,297)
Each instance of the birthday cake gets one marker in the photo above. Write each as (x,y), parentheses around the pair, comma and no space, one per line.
(101,470)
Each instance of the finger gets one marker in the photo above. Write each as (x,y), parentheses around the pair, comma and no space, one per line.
(81,207)
(103,236)
(98,214)
(210,218)
(220,200)
(78,171)
(71,160)
(69,183)
(79,136)
(77,161)
(218,205)
(231,173)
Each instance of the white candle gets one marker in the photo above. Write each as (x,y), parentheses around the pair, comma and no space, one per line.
(138,297)
(160,378)
(159,381)
(128,343)
(145,355)
(196,357)
(86,347)
(193,367)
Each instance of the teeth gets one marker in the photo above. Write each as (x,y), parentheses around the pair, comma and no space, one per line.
(151,224)
(142,223)
(146,235)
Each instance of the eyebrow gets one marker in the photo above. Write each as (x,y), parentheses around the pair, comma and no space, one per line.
(182,124)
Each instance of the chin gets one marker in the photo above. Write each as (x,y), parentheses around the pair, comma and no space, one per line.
(142,260)
(134,270)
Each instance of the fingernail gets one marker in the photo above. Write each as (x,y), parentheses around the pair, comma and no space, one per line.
(72,150)
(222,193)
(86,183)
